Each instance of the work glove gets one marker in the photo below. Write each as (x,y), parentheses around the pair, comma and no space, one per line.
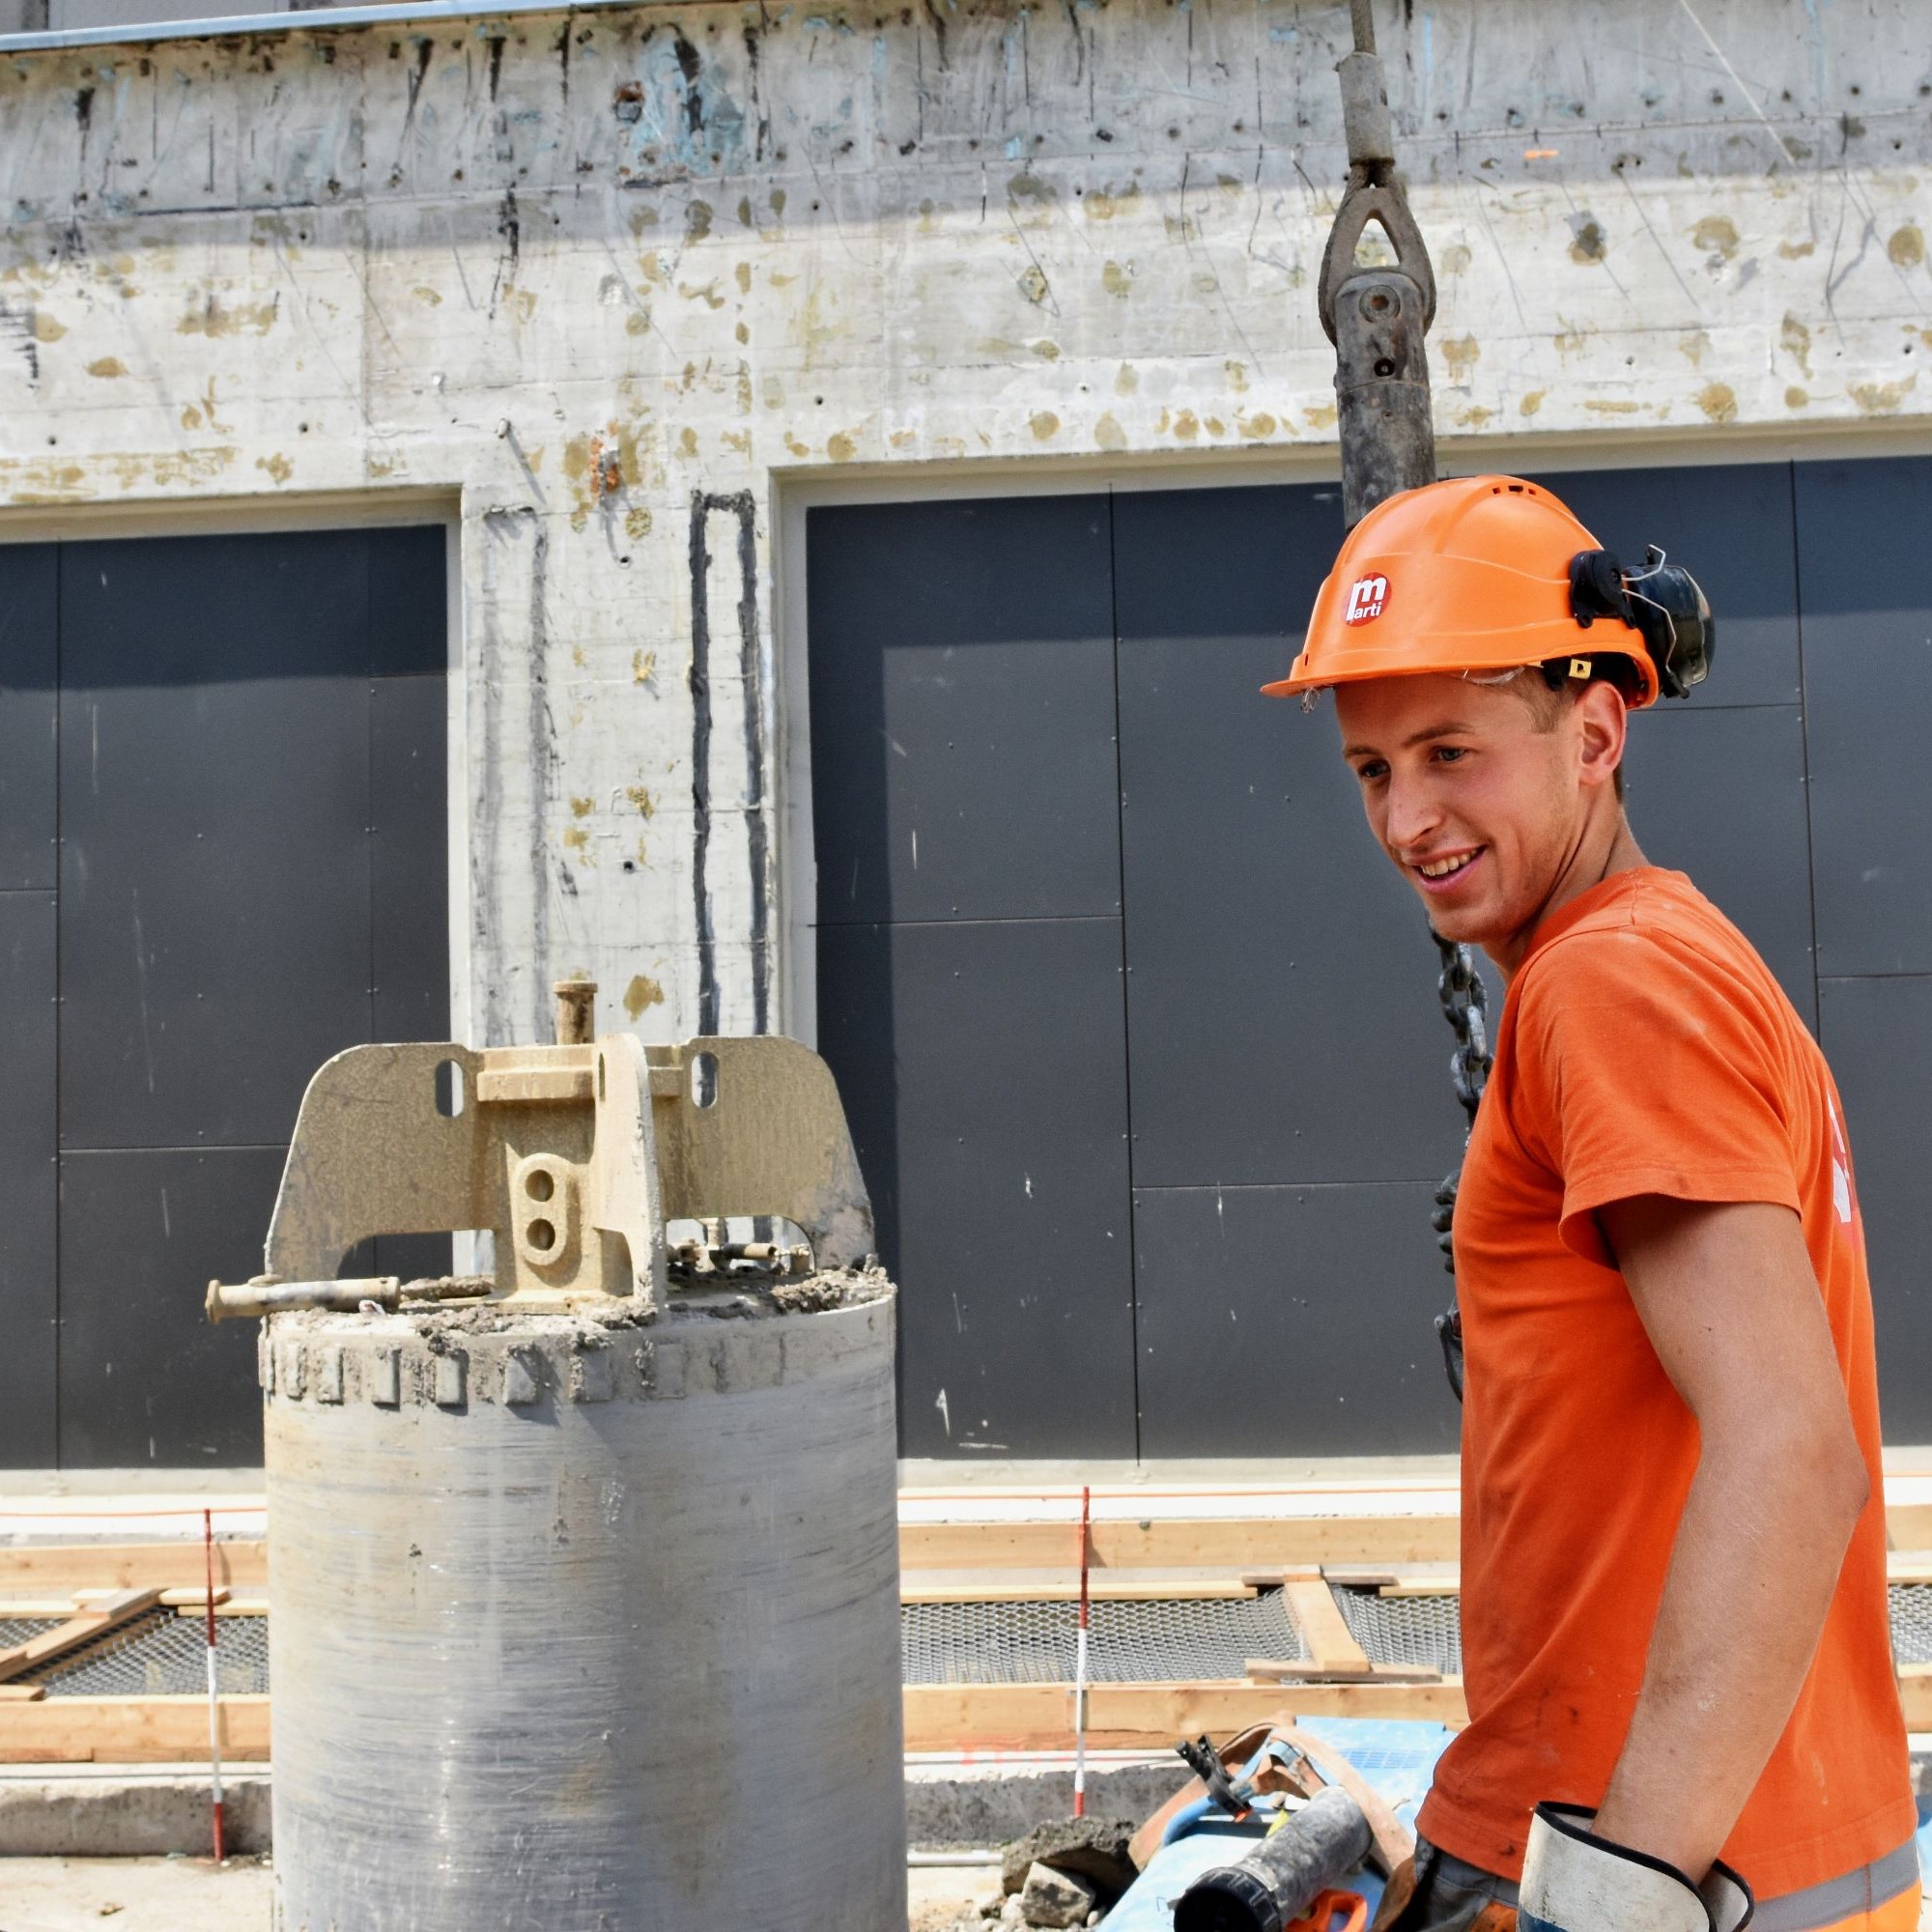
(1573,1882)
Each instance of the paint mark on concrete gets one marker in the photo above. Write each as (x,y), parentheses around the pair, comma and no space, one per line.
(1718,401)
(1460,353)
(1906,245)
(640,993)
(1588,243)
(1882,399)
(1718,236)
(1108,433)
(1044,424)
(1795,338)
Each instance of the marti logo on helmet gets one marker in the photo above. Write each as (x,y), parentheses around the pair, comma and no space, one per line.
(1366,597)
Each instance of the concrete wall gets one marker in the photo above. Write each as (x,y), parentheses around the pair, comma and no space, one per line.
(613,284)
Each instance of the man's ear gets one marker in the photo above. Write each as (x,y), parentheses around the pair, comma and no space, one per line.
(1601,721)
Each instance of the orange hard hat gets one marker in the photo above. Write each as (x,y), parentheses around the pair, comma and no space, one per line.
(1487,574)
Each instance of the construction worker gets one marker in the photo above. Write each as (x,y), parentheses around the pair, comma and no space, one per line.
(1675,1640)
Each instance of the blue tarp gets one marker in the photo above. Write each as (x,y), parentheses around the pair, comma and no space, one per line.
(1396,1758)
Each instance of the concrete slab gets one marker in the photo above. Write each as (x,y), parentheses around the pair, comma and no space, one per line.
(68,1894)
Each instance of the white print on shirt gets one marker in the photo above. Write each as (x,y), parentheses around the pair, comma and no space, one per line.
(1841,1169)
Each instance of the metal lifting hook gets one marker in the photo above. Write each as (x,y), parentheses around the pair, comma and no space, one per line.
(1377,317)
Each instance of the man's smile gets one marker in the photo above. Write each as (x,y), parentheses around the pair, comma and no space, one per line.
(1446,868)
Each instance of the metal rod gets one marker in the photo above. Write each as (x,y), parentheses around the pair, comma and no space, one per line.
(214,1689)
(1361,13)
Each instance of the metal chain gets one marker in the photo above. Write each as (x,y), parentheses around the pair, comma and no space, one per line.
(1465,1007)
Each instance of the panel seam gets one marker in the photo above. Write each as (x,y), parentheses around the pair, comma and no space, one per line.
(1127,1021)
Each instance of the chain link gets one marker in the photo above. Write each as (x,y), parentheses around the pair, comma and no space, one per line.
(1465,1007)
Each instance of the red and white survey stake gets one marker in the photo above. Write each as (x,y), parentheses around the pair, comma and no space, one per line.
(213,1692)
(1080,1667)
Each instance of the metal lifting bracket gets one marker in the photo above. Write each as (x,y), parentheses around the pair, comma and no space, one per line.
(574,1156)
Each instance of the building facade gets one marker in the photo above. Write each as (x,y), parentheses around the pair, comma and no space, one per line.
(683,399)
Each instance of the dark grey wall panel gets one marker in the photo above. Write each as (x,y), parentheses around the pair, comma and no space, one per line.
(215,903)
(1721,794)
(29,658)
(1289,1321)
(144,1377)
(408,575)
(29,1180)
(409,891)
(1731,527)
(240,743)
(1867,608)
(146,612)
(962,710)
(1878,1036)
(983,1071)
(1281,986)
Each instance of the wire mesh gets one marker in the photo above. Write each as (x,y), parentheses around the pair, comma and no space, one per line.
(1140,1641)
(1911,1622)
(161,1654)
(23,1630)
(1422,1632)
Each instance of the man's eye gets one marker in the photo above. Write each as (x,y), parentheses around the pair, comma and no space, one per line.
(1371,772)
(1450,754)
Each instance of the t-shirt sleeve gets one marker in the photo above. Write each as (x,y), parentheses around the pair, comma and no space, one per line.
(1642,1069)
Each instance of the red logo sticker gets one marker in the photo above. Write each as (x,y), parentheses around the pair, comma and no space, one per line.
(1366,597)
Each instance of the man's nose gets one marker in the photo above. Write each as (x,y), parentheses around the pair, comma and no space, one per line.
(1412,811)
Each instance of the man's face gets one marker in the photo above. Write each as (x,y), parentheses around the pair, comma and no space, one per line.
(1480,810)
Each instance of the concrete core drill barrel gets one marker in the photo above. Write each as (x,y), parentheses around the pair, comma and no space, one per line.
(582,1625)
(583,1574)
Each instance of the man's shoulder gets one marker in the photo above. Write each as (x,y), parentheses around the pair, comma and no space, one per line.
(1653,920)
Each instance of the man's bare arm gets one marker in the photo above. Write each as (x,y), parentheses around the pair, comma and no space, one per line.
(1729,1299)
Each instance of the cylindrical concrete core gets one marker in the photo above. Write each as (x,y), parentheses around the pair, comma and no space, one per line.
(577,1624)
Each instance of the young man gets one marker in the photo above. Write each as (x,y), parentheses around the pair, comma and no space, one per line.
(1676,1649)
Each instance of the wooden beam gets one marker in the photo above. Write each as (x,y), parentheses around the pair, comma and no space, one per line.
(60,1569)
(130,1730)
(1227,1545)
(1299,1671)
(1326,1637)
(1915,1695)
(1124,1590)
(94,1619)
(1127,1716)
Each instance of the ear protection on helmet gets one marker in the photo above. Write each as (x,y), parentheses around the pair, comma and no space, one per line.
(1661,603)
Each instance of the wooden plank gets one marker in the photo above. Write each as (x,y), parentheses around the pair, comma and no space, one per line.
(1131,1717)
(94,1619)
(1331,1646)
(1126,1590)
(60,1569)
(1300,1671)
(1227,1545)
(130,1730)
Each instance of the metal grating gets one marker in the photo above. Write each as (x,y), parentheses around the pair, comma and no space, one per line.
(1141,1640)
(1911,1622)
(23,1630)
(164,1655)
(1424,1631)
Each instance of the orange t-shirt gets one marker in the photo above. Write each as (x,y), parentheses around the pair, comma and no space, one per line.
(1644,1049)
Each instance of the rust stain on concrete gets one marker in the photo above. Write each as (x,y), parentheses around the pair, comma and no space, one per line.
(1717,234)
(1906,245)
